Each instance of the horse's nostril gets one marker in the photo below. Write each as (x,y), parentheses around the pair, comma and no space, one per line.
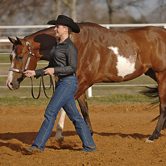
(11,83)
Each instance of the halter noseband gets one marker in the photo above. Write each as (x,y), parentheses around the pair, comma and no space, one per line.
(28,60)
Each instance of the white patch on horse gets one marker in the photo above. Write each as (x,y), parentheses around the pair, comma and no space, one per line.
(10,74)
(124,65)
(114,49)
(13,55)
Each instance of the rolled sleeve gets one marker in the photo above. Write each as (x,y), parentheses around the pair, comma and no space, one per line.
(40,72)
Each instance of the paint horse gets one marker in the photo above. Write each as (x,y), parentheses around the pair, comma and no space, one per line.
(103,56)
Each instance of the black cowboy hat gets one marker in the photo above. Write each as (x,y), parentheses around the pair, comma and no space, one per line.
(64,20)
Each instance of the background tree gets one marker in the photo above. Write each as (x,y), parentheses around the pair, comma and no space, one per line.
(119,5)
(92,11)
(159,12)
(23,12)
(58,8)
(72,6)
(26,12)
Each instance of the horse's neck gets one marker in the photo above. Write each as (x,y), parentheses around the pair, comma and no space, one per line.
(42,43)
(35,48)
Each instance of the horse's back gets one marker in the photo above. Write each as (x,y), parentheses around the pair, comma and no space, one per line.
(114,56)
(152,46)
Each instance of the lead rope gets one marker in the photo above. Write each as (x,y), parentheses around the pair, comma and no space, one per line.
(32,89)
(51,85)
(44,88)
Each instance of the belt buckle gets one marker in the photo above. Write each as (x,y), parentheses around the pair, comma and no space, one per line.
(56,78)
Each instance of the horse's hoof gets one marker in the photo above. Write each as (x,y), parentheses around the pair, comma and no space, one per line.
(59,139)
(56,143)
(148,140)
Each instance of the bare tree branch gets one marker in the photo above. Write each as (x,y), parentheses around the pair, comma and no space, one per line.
(114,7)
(110,9)
(72,6)
(58,8)
(66,3)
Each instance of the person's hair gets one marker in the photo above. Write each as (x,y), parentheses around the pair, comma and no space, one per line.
(69,29)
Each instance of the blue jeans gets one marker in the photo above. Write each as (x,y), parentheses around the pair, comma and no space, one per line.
(64,97)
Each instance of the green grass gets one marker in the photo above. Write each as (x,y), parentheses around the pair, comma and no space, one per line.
(17,101)
(120,98)
(4,59)
(113,99)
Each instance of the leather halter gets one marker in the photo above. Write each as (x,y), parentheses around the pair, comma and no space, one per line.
(28,60)
(42,80)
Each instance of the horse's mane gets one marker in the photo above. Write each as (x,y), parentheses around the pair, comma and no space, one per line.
(90,24)
(40,31)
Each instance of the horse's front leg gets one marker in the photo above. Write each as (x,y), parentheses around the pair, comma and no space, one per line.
(84,110)
(161,77)
(60,125)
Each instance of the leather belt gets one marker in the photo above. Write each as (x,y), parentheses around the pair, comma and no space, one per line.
(60,77)
(57,78)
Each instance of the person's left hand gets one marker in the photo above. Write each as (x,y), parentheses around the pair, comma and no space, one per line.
(29,73)
(49,71)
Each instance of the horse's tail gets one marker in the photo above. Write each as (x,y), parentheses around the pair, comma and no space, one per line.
(152,92)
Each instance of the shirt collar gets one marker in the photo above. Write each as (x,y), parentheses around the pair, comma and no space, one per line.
(64,42)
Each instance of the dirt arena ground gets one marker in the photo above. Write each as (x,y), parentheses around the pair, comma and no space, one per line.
(120,132)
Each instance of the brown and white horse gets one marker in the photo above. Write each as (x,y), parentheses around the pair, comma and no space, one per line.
(103,56)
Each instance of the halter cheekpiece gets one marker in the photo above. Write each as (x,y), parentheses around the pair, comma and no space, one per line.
(28,60)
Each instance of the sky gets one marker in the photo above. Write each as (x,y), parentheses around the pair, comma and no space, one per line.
(151,5)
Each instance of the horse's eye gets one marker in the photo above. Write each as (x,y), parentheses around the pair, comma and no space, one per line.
(20,57)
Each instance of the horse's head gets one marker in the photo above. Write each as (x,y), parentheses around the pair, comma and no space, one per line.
(21,59)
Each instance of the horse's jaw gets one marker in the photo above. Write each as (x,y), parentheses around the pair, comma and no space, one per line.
(13,83)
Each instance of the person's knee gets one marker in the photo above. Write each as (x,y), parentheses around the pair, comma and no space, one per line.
(49,115)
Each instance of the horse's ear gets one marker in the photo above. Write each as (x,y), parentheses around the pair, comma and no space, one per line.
(18,41)
(11,40)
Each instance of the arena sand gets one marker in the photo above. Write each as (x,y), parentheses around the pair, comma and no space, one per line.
(120,132)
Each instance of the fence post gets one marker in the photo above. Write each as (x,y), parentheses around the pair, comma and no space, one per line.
(90,91)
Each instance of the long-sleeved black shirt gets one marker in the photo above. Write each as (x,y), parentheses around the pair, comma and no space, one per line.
(63,57)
